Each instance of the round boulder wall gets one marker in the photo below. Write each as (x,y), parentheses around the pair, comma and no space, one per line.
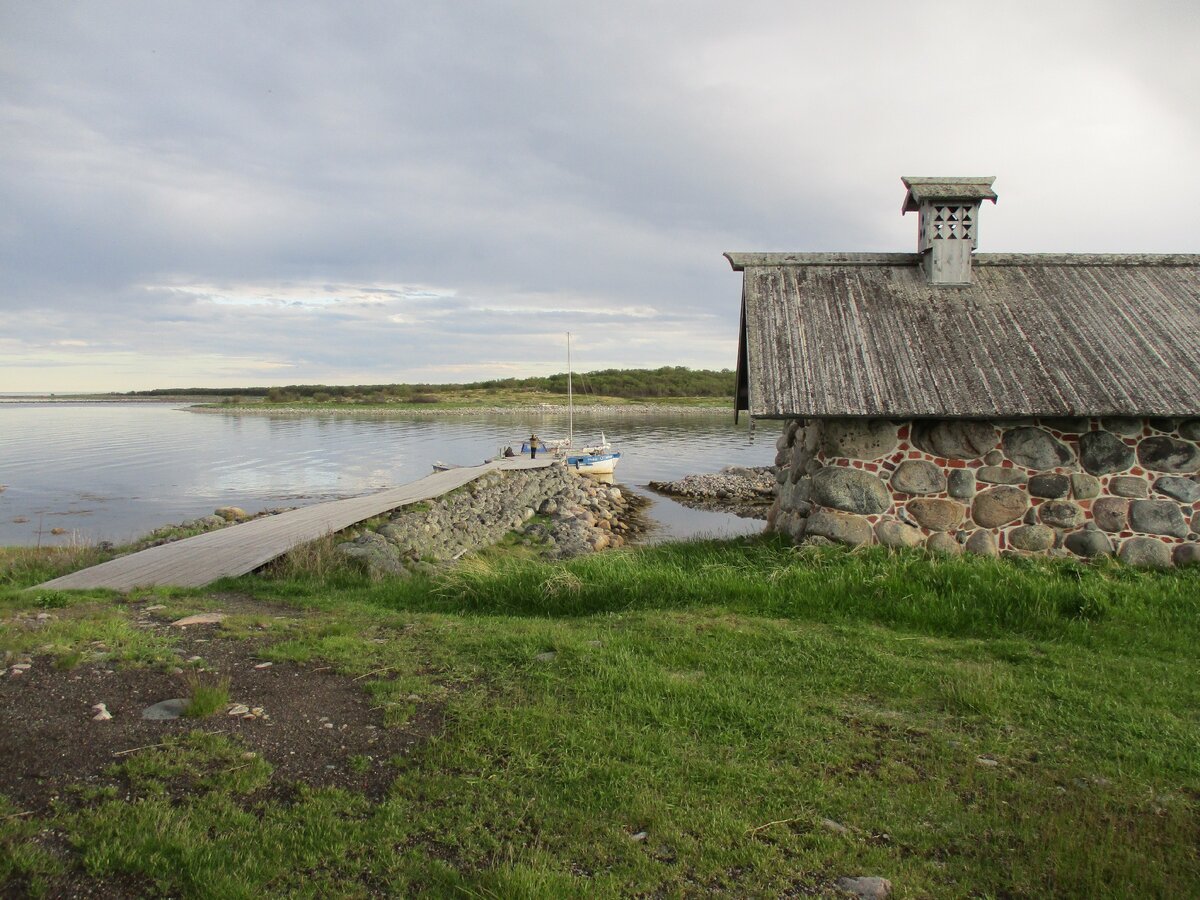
(858,438)
(1101,453)
(998,506)
(850,490)
(918,476)
(1035,448)
(954,438)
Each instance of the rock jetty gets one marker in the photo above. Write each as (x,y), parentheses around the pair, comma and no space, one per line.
(553,510)
(744,491)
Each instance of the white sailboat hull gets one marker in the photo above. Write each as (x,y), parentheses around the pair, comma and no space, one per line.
(594,464)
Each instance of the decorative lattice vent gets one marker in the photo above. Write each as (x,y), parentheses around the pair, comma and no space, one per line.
(948,223)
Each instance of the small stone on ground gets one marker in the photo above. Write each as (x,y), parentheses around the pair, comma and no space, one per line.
(867,886)
(165,710)
(199,619)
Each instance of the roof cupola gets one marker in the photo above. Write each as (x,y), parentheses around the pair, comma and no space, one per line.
(948,227)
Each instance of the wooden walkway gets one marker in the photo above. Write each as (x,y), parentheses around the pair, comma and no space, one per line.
(238,549)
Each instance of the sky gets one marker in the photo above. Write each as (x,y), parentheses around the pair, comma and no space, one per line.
(232,194)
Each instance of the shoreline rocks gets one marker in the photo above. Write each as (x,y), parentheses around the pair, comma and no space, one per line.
(553,510)
(746,491)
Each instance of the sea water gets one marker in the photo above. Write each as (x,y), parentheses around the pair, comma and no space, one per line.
(113,471)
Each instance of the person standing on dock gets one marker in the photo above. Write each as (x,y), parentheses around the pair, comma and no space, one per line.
(533,445)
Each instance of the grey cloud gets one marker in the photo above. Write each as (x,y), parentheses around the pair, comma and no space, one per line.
(536,155)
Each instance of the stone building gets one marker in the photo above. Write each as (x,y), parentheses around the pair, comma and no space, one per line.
(993,403)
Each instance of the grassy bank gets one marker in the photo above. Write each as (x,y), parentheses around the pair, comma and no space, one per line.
(732,717)
(467,400)
(676,385)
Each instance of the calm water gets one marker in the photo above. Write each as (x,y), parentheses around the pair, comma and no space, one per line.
(114,471)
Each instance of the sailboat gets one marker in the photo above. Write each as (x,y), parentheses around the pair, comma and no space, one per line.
(596,459)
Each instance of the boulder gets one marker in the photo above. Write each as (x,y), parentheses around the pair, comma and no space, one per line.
(1032,538)
(1036,448)
(859,438)
(982,543)
(850,490)
(1167,454)
(1129,486)
(1146,553)
(1000,475)
(960,484)
(936,514)
(1190,429)
(944,543)
(1061,514)
(1084,486)
(1067,426)
(1126,427)
(1050,486)
(1182,489)
(954,438)
(231,513)
(1157,517)
(1111,513)
(1089,543)
(1101,453)
(999,506)
(840,527)
(1186,554)
(891,533)
(918,476)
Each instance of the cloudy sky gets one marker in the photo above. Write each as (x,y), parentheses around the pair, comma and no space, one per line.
(263,193)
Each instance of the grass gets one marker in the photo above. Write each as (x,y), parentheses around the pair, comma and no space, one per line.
(208,695)
(980,728)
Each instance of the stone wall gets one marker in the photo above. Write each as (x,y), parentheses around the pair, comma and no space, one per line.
(1059,487)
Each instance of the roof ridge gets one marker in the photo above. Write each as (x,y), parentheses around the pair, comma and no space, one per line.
(740,261)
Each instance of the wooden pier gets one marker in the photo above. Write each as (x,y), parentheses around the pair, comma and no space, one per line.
(238,549)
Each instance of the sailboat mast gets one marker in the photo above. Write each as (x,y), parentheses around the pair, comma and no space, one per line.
(570,398)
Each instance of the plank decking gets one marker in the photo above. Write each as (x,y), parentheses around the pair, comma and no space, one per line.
(238,549)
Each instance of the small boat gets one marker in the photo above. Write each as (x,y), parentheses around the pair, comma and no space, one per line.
(597,459)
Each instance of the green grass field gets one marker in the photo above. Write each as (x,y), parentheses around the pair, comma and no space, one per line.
(679,721)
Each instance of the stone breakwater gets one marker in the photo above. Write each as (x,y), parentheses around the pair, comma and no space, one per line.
(553,510)
(1083,487)
(744,491)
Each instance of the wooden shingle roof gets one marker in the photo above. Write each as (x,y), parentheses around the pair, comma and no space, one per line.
(1033,335)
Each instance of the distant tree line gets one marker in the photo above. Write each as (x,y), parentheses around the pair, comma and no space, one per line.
(630,384)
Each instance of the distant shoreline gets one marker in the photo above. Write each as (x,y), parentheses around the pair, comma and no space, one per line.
(630,409)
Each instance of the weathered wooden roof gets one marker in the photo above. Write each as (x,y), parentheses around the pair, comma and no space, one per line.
(843,334)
